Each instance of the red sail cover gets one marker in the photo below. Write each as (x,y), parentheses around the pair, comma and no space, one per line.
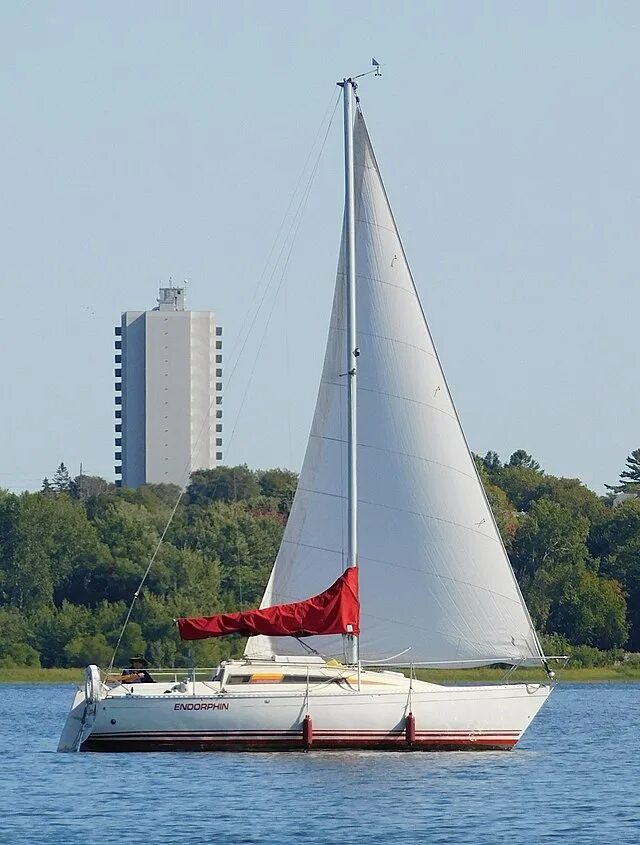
(336,611)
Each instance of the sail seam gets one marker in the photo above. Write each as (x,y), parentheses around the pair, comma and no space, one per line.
(391,339)
(433,574)
(426,572)
(403,510)
(377,225)
(397,452)
(377,281)
(393,396)
(466,640)
(406,399)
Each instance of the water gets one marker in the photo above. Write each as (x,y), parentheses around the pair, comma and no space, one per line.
(573,779)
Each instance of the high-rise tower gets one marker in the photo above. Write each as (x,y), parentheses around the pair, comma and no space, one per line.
(168,368)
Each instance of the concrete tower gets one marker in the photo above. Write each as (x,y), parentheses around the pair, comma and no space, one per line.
(168,368)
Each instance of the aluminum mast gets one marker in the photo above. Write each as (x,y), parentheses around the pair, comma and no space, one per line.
(348,88)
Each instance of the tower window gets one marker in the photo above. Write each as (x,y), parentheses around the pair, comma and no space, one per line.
(218,344)
(118,331)
(218,456)
(218,427)
(218,359)
(218,441)
(218,386)
(219,331)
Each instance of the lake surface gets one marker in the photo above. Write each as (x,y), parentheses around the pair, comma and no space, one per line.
(573,779)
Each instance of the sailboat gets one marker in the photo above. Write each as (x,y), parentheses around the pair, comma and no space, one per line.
(391,558)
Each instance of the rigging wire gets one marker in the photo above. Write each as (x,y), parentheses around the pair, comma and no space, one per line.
(285,238)
(286,214)
(299,215)
(292,233)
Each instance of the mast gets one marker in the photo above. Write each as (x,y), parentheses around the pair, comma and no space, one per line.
(348,88)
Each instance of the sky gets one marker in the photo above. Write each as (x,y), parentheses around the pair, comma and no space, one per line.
(149,140)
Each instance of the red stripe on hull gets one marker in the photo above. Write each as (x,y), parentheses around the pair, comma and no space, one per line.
(294,742)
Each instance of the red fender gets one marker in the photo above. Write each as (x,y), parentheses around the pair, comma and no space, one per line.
(307,731)
(410,729)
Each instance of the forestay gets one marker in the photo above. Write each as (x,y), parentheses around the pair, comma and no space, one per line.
(436,585)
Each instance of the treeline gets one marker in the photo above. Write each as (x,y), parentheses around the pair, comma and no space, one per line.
(73,554)
(576,555)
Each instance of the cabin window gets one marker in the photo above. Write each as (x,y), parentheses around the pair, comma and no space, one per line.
(275,678)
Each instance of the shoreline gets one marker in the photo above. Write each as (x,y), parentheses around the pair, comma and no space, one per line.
(600,674)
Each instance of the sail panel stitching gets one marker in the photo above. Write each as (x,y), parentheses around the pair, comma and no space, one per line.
(387,337)
(396,452)
(405,510)
(424,572)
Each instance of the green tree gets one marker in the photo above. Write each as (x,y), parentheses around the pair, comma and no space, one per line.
(279,484)
(523,485)
(131,534)
(16,640)
(616,541)
(84,486)
(87,648)
(572,494)
(54,627)
(564,591)
(503,512)
(244,542)
(520,458)
(549,532)
(62,479)
(227,484)
(492,462)
(629,477)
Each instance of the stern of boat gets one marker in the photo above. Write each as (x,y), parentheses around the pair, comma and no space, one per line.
(82,714)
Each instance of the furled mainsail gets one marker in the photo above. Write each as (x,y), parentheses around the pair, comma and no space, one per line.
(334,611)
(435,582)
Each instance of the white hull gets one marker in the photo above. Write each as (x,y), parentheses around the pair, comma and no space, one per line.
(210,716)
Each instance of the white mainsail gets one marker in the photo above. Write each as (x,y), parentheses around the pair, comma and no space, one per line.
(436,586)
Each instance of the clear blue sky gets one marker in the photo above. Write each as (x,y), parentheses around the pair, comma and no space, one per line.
(148,139)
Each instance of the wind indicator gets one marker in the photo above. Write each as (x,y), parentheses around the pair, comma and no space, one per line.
(376,72)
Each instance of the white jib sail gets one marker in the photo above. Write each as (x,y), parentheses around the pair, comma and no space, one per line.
(435,581)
